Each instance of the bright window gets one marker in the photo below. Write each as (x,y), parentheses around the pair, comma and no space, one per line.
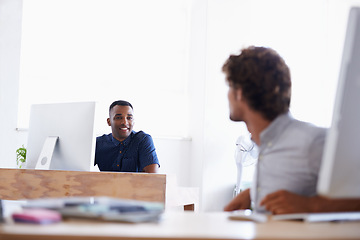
(106,50)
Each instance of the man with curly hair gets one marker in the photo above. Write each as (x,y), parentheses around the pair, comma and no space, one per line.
(290,151)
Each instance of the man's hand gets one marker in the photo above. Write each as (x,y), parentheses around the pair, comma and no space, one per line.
(282,202)
(241,201)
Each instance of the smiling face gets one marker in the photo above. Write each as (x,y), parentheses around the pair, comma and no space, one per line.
(121,121)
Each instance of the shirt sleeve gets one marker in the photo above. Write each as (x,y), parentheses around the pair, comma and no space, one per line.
(147,153)
(316,151)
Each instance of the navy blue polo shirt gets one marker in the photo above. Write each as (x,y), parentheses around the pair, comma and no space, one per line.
(131,155)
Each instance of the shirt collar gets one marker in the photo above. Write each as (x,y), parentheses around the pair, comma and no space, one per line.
(125,142)
(275,128)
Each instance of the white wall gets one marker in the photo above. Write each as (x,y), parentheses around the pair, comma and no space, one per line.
(218,28)
(10,33)
(175,158)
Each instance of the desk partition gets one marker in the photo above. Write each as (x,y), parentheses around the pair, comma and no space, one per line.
(18,184)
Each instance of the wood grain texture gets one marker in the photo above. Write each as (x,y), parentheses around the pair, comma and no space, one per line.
(18,184)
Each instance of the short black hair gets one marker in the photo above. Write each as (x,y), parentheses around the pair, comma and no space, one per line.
(120,103)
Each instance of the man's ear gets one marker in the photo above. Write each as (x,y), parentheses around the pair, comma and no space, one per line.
(108,121)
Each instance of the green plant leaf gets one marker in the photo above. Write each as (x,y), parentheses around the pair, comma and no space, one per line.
(20,155)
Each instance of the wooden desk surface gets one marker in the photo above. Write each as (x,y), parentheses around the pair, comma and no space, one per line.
(183,226)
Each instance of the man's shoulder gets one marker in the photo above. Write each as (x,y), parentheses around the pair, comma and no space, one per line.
(306,132)
(141,136)
(104,138)
(309,127)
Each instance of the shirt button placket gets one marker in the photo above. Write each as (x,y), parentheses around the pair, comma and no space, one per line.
(118,165)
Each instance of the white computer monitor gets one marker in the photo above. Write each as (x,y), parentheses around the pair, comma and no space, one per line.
(61,135)
(340,171)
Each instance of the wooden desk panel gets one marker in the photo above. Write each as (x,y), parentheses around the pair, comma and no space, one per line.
(29,183)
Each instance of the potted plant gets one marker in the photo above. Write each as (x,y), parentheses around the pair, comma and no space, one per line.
(21,156)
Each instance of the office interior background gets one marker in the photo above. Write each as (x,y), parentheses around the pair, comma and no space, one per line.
(165,57)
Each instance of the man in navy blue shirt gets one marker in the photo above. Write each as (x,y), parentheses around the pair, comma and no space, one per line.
(125,150)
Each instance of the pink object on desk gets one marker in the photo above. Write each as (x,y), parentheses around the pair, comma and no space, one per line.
(39,216)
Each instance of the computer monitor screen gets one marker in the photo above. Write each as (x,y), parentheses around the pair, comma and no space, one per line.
(73,126)
(340,171)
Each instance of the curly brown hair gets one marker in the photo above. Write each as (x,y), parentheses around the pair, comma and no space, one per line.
(264,79)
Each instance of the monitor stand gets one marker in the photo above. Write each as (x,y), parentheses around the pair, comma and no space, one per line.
(46,153)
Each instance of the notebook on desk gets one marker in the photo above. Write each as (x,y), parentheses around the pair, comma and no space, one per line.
(319,217)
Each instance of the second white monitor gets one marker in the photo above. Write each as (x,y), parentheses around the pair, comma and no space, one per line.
(340,171)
